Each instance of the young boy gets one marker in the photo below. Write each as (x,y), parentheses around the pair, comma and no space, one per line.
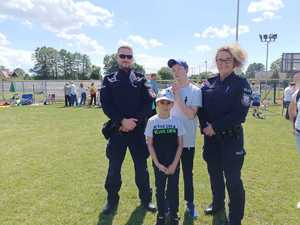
(164,139)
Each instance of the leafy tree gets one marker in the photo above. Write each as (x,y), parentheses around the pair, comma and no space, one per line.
(253,68)
(19,73)
(53,64)
(276,65)
(165,73)
(96,73)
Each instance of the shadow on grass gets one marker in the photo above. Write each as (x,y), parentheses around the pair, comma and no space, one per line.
(106,219)
(137,216)
(187,220)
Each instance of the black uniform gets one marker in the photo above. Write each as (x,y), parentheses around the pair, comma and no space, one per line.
(225,107)
(125,95)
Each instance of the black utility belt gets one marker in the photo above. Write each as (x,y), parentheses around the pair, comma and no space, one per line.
(230,132)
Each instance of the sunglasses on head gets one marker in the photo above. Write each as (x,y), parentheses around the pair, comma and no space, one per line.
(123,56)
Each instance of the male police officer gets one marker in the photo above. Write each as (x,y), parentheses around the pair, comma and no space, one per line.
(125,99)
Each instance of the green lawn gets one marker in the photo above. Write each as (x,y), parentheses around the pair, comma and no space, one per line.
(53,168)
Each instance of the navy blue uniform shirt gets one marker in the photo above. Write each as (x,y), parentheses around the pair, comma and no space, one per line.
(126,95)
(225,103)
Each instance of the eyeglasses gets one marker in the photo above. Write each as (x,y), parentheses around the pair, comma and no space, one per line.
(123,56)
(226,61)
(164,102)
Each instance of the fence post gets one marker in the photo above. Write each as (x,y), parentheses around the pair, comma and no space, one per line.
(2,82)
(33,91)
(274,90)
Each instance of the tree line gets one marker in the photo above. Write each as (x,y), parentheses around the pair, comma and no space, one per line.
(53,64)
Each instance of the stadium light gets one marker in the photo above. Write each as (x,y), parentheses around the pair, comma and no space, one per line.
(267,38)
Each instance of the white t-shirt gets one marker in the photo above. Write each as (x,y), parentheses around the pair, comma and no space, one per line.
(156,123)
(165,133)
(191,95)
(288,93)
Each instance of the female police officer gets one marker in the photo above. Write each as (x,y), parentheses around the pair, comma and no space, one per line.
(226,100)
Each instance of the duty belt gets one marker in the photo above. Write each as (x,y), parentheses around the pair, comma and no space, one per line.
(232,132)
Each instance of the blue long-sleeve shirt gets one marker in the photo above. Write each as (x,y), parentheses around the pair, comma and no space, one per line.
(225,103)
(126,95)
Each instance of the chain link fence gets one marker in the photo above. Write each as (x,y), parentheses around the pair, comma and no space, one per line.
(271,91)
(40,89)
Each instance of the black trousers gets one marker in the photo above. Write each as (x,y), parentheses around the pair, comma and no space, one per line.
(167,188)
(225,158)
(115,152)
(187,162)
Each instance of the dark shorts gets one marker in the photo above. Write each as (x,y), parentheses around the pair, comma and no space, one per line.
(256,104)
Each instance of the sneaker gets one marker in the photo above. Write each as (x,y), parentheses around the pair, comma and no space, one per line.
(190,209)
(160,220)
(298,205)
(109,208)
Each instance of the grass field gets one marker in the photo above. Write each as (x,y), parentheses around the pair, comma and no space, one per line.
(53,168)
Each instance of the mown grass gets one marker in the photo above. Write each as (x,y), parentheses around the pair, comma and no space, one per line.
(53,168)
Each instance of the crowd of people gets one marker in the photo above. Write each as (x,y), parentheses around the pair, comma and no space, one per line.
(163,124)
(77,96)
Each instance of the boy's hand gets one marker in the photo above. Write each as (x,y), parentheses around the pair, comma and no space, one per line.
(171,169)
(162,168)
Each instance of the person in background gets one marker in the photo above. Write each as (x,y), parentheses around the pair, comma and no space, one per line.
(287,97)
(164,139)
(66,93)
(74,101)
(82,93)
(226,101)
(93,93)
(154,87)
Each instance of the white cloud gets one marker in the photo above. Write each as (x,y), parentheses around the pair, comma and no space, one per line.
(84,43)
(13,58)
(202,48)
(57,15)
(146,44)
(123,42)
(265,5)
(3,40)
(265,16)
(151,63)
(223,32)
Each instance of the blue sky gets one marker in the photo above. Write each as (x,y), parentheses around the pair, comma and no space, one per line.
(157,29)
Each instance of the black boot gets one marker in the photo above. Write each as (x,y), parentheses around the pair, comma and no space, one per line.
(111,206)
(160,220)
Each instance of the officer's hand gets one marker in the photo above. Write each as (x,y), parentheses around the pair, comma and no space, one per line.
(129,124)
(209,130)
(122,129)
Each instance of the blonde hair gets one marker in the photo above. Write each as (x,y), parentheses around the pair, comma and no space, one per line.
(239,55)
(125,46)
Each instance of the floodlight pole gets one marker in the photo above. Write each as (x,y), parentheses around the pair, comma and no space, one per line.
(237,22)
(267,38)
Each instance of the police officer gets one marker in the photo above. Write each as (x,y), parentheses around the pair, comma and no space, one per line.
(125,99)
(226,100)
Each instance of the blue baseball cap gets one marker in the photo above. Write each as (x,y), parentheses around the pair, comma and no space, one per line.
(182,63)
